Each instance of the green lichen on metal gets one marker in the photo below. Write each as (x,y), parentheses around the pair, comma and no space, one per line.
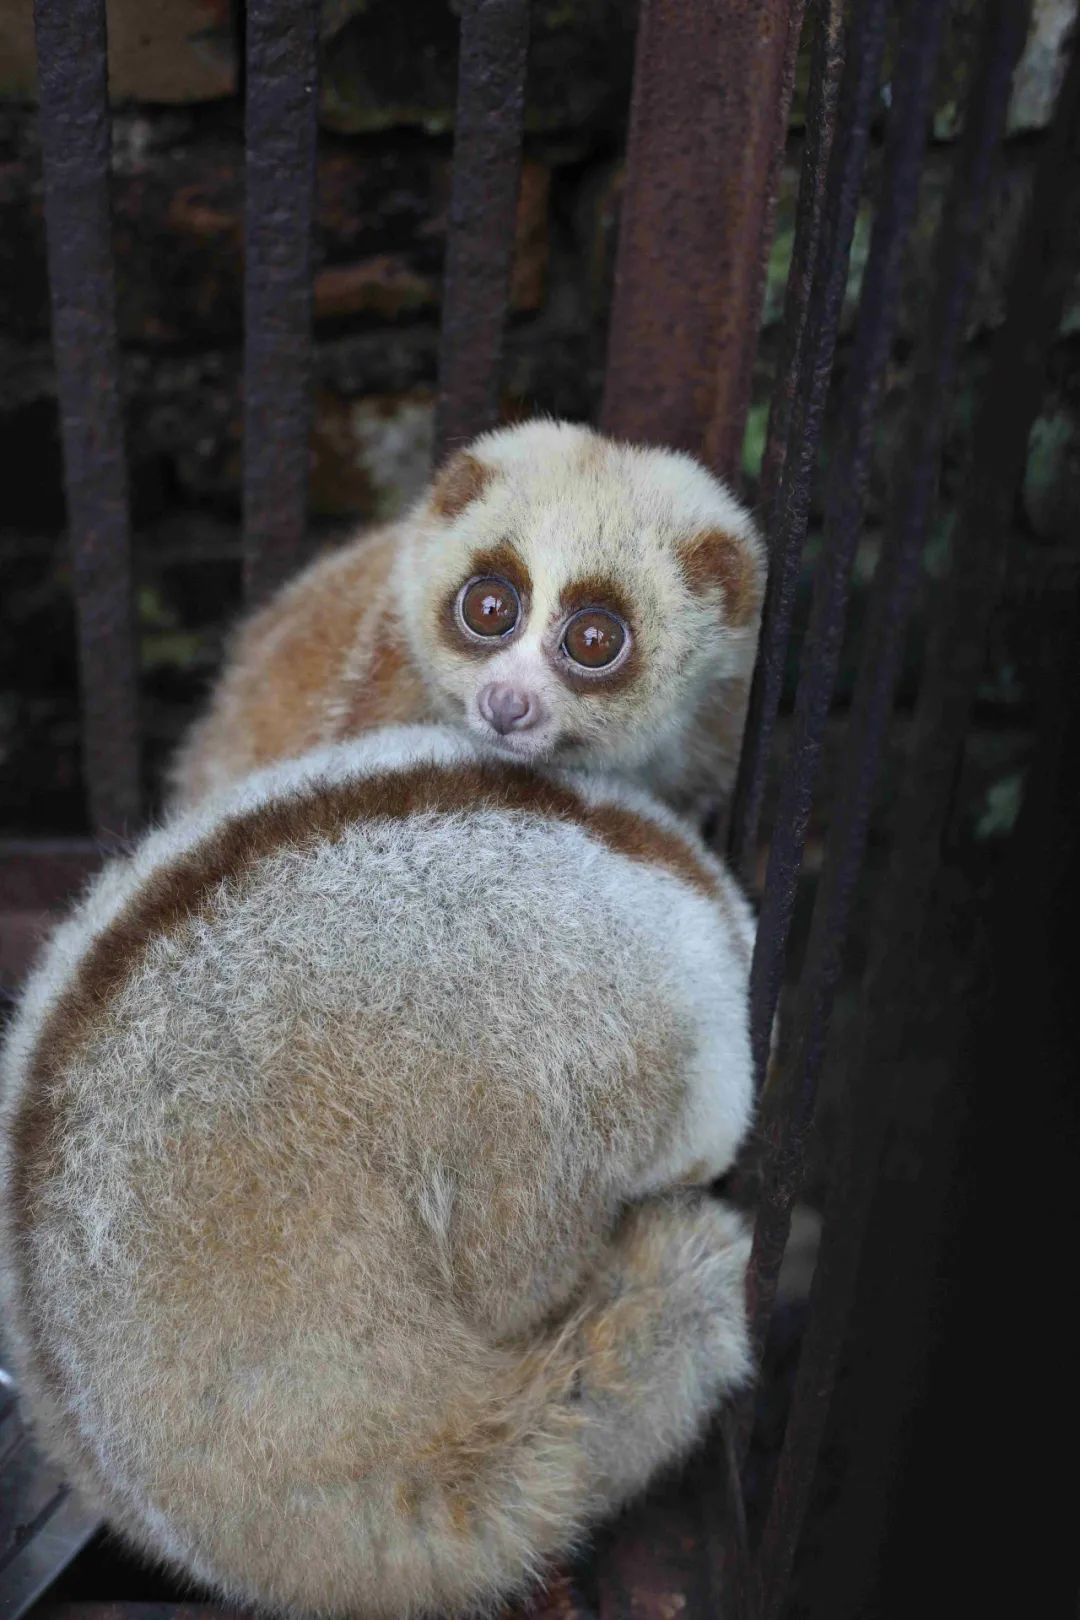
(757,422)
(1052,475)
(1000,807)
(163,642)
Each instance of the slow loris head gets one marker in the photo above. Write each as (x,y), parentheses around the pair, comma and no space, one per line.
(574,599)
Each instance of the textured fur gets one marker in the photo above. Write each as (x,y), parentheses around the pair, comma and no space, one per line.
(350,1255)
(365,637)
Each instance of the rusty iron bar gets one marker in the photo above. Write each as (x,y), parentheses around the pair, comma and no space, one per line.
(841,160)
(922,22)
(75,141)
(43,872)
(826,70)
(281,124)
(712,87)
(1011,397)
(829,190)
(735,383)
(781,1128)
(479,254)
(882,648)
(37,877)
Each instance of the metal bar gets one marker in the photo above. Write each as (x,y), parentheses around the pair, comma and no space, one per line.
(712,87)
(845,72)
(280,129)
(822,102)
(75,136)
(36,878)
(1010,403)
(919,40)
(479,254)
(29,1489)
(37,873)
(43,1524)
(742,326)
(920,33)
(843,155)
(882,648)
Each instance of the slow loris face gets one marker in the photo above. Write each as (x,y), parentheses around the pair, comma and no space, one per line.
(574,599)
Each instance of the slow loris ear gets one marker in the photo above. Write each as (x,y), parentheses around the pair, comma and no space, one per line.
(458,483)
(732,564)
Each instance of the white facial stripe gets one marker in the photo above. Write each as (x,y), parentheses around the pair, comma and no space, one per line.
(522,663)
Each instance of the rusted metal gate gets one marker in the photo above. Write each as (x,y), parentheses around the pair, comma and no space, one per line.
(713,86)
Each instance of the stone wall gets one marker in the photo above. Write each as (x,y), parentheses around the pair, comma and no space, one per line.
(388,79)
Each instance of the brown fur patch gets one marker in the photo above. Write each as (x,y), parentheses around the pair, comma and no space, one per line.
(596,590)
(462,481)
(501,561)
(388,691)
(289,662)
(641,840)
(716,560)
(388,659)
(461,1509)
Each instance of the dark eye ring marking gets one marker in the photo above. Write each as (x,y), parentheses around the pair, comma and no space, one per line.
(488,608)
(595,640)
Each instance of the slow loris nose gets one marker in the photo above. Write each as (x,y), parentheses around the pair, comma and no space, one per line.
(507,708)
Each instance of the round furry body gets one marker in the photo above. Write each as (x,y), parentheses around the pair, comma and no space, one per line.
(354,1252)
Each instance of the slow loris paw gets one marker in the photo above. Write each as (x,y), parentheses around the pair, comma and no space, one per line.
(667,1337)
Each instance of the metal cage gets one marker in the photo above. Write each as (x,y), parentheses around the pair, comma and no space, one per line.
(712,91)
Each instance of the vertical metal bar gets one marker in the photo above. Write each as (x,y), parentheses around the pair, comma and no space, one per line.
(843,156)
(882,648)
(822,102)
(920,36)
(281,122)
(742,322)
(1044,270)
(479,253)
(712,87)
(905,145)
(74,119)
(43,1524)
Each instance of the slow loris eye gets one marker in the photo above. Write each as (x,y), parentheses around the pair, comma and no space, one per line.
(594,638)
(489,607)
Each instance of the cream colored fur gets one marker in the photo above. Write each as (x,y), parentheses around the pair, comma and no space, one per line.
(361,1280)
(355,642)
